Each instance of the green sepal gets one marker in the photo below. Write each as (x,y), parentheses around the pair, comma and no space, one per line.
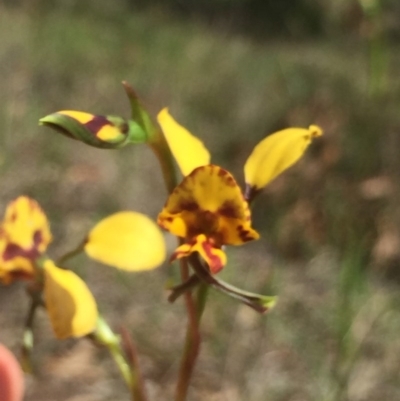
(258,302)
(126,131)
(139,113)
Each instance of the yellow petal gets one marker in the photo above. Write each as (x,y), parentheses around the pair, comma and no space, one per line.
(26,227)
(128,241)
(214,256)
(276,153)
(189,151)
(70,304)
(208,201)
(80,116)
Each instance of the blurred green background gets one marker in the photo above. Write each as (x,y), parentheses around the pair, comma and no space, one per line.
(231,72)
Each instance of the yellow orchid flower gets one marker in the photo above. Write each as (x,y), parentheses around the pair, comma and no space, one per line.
(207,209)
(24,237)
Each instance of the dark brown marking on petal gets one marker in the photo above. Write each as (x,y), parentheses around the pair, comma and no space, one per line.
(228,209)
(96,124)
(230,181)
(124,127)
(192,241)
(18,274)
(13,250)
(37,238)
(13,217)
(222,172)
(244,234)
(189,205)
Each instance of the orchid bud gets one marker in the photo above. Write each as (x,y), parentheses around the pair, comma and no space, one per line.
(107,132)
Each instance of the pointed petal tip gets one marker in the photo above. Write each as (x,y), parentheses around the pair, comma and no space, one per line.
(315,130)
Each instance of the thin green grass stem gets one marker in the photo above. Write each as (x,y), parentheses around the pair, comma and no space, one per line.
(128,367)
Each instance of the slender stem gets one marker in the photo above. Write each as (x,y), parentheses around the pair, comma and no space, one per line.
(159,146)
(193,338)
(192,341)
(180,289)
(128,366)
(27,341)
(138,387)
(61,260)
(116,353)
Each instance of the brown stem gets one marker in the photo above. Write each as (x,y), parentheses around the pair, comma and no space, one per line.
(138,387)
(192,341)
(128,367)
(180,289)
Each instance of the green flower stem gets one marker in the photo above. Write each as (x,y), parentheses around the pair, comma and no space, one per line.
(193,338)
(79,249)
(156,139)
(129,371)
(27,339)
(160,148)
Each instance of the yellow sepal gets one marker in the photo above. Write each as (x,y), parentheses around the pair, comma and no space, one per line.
(189,151)
(127,240)
(276,153)
(70,304)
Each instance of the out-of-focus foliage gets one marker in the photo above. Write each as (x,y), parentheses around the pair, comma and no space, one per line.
(258,18)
